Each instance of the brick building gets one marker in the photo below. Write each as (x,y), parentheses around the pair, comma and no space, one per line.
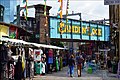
(38,25)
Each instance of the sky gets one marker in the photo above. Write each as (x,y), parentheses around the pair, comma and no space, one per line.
(89,9)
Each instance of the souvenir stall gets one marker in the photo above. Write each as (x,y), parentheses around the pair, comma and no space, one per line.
(21,53)
(49,53)
(15,50)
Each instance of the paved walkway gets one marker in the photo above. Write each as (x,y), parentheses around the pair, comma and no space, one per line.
(62,75)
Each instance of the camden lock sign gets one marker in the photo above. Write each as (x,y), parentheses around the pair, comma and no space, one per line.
(75,29)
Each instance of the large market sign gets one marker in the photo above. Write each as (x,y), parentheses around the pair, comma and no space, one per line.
(75,29)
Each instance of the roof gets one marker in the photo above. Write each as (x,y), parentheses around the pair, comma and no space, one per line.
(13,25)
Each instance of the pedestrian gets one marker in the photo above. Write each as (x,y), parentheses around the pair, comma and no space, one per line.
(109,64)
(18,69)
(84,56)
(71,65)
(79,61)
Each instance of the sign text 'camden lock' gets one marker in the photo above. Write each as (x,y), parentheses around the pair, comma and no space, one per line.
(75,29)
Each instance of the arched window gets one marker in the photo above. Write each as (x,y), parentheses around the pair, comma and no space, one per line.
(1,12)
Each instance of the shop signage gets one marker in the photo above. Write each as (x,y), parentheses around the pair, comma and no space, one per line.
(78,30)
(67,28)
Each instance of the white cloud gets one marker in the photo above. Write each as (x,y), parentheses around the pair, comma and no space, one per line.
(90,9)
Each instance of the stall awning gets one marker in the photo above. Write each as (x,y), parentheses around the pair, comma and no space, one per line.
(29,43)
(47,46)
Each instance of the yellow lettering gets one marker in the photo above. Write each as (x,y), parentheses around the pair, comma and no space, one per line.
(61,25)
(99,32)
(73,30)
(76,29)
(69,29)
(83,30)
(94,31)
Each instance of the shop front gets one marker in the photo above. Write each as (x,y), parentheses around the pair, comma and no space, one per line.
(4,31)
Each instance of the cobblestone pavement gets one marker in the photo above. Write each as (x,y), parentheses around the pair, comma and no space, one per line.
(62,75)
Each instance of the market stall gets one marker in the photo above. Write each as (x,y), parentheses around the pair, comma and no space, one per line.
(21,48)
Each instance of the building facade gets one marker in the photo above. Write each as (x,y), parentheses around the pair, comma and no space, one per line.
(9,10)
(114,14)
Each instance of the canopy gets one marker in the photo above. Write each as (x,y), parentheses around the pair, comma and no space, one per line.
(29,43)
(46,46)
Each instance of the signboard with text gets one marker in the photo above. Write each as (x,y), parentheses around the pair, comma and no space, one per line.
(111,2)
(75,29)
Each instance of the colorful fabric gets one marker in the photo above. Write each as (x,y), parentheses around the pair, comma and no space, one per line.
(23,64)
(60,9)
(50,60)
(67,7)
(25,8)
(45,8)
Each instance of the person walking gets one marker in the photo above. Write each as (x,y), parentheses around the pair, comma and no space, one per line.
(71,65)
(18,69)
(109,64)
(79,61)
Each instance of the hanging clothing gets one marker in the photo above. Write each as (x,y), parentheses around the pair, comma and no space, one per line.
(18,69)
(3,54)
